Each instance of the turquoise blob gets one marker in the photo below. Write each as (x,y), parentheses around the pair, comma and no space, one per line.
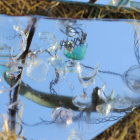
(3,69)
(78,53)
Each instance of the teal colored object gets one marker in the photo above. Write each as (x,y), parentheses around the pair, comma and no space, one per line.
(123,2)
(135,4)
(77,53)
(119,2)
(3,69)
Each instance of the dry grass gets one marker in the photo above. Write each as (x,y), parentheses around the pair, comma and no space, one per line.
(6,134)
(55,9)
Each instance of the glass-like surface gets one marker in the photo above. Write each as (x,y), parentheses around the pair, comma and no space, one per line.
(55,83)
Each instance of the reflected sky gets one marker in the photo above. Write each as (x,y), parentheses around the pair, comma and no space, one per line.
(110,46)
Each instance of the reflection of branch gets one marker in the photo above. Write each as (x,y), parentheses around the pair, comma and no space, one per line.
(53,101)
(63,9)
(44,99)
(41,122)
(54,82)
(12,112)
